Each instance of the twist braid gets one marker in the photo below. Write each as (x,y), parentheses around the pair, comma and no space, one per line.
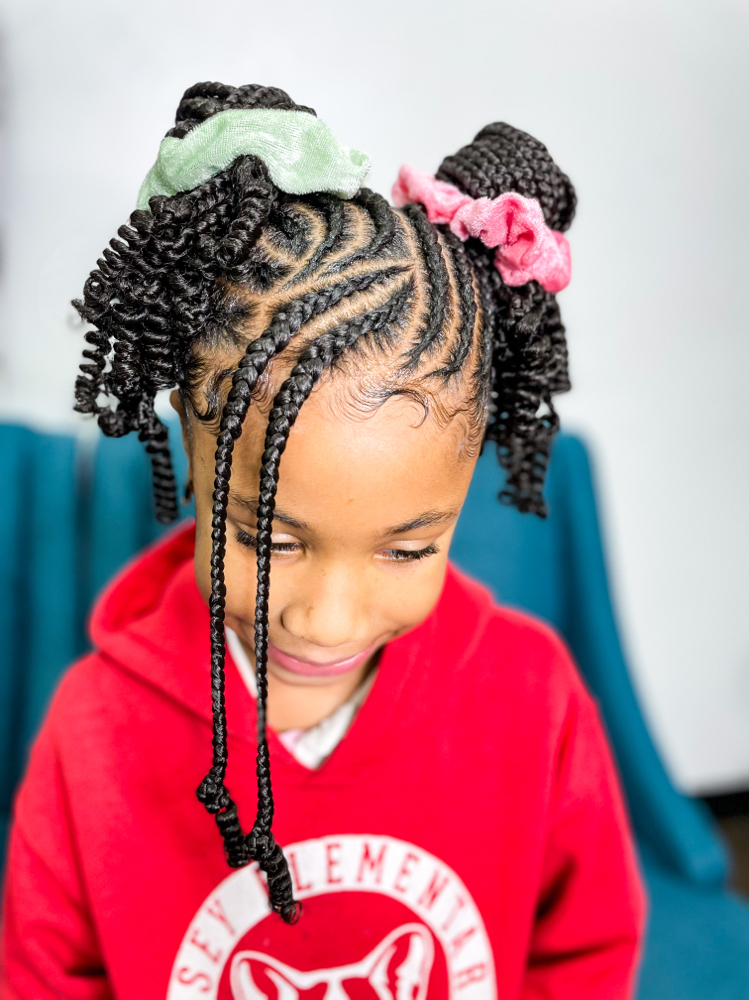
(206,99)
(502,158)
(155,290)
(158,287)
(155,436)
(523,325)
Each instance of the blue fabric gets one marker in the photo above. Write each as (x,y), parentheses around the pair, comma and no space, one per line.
(697,946)
(40,530)
(122,520)
(71,515)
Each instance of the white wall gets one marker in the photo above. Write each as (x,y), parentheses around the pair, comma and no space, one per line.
(642,102)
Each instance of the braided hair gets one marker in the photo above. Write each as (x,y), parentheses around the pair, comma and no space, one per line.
(345,280)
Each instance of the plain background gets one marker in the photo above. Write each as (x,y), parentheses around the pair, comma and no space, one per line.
(641,102)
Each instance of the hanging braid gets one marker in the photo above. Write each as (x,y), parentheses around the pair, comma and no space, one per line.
(192,276)
(315,358)
(259,844)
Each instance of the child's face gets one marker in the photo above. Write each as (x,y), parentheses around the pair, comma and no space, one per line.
(356,495)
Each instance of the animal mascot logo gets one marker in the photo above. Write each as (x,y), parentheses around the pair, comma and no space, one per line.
(397,969)
(382,920)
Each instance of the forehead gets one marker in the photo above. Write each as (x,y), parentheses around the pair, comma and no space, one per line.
(379,467)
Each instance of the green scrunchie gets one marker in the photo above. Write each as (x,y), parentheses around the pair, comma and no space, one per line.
(301,153)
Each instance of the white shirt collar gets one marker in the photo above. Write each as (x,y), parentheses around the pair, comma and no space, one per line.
(309,746)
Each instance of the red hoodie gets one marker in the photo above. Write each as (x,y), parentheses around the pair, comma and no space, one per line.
(466,839)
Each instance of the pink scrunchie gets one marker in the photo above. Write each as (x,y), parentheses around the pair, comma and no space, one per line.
(527,250)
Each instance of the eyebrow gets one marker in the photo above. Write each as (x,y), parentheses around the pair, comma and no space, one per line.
(428,519)
(251,504)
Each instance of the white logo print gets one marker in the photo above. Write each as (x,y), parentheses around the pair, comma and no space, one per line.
(397,969)
(216,956)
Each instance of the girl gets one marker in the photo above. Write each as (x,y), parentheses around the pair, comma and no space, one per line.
(450,820)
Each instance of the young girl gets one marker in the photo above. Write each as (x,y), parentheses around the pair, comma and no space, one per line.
(444,819)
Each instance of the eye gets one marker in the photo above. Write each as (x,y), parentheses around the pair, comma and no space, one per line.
(409,555)
(250,542)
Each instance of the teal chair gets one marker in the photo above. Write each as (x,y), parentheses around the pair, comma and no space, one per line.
(698,937)
(71,515)
(39,530)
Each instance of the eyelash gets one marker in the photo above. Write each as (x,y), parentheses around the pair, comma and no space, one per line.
(394,555)
(411,555)
(244,538)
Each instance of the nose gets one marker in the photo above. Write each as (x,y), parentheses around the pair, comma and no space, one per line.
(329,608)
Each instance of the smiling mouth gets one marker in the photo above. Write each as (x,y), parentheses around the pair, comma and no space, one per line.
(307,668)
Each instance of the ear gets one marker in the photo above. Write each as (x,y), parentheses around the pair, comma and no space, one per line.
(178,406)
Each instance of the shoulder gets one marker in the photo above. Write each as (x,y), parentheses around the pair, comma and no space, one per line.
(79,712)
(92,692)
(485,629)
(505,653)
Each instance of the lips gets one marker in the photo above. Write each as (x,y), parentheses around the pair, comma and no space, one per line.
(307,668)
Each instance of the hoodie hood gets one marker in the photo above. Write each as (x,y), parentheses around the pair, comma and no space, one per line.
(152,621)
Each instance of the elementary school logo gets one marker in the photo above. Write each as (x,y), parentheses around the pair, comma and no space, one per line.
(382,920)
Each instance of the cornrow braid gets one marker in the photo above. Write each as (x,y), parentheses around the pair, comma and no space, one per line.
(385,224)
(431,334)
(468,307)
(334,216)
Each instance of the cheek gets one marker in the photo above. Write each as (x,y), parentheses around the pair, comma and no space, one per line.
(241,582)
(202,485)
(202,547)
(407,598)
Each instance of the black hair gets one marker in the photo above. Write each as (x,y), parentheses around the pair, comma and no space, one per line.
(350,279)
